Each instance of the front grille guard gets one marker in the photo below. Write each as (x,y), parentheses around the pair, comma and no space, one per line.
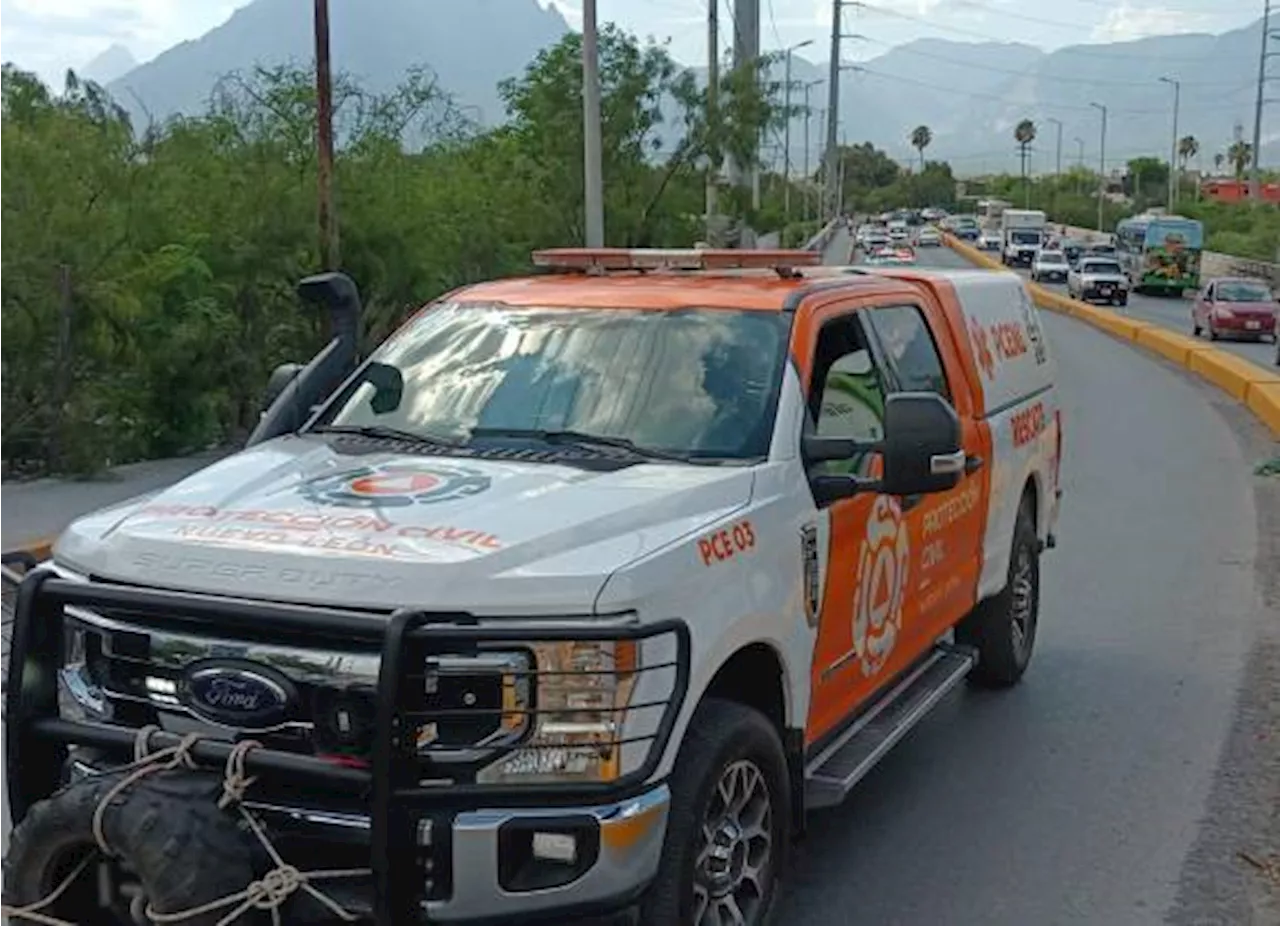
(401,807)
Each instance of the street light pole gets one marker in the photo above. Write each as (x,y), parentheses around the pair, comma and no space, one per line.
(786,133)
(807,112)
(1102,160)
(1057,165)
(1173,157)
(1079,160)
(592,174)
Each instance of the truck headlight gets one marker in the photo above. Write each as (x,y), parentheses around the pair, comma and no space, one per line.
(597,711)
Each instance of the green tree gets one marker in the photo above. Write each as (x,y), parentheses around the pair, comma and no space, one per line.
(920,139)
(1188,148)
(1240,154)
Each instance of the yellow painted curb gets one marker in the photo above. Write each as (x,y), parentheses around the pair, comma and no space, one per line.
(1263,400)
(1256,387)
(41,549)
(1232,374)
(1170,344)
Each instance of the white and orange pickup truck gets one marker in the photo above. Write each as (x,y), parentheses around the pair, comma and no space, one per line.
(572,598)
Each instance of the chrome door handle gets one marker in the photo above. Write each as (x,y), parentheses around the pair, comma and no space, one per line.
(944,464)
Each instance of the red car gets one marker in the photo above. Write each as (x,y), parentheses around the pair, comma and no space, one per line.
(1235,306)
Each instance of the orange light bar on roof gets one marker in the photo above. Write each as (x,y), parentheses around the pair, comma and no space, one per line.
(604,259)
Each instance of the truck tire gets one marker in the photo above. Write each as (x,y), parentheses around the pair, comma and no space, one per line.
(1003,627)
(727,746)
(167,831)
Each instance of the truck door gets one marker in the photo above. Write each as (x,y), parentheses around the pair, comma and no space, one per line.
(845,396)
(945,529)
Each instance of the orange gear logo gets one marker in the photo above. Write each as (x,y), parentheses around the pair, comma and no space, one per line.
(982,348)
(882,582)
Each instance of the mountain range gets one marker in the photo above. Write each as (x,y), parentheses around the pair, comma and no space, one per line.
(971,95)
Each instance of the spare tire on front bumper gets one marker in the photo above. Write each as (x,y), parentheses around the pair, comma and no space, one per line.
(167,832)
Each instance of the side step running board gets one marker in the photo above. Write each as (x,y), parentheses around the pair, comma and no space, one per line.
(831,775)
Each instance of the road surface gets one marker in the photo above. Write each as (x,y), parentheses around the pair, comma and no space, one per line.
(1080,796)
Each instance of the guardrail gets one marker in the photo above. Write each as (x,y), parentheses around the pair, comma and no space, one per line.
(1253,386)
(820,241)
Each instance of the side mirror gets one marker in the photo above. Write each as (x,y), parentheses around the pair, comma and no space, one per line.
(388,384)
(280,379)
(922,451)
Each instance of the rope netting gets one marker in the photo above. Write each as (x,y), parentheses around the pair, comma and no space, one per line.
(267,894)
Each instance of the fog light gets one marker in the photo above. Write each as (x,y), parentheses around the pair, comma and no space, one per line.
(539,854)
(555,847)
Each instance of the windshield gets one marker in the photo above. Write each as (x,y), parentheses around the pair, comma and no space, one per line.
(1175,236)
(1052,257)
(1025,237)
(697,382)
(1239,291)
(1101,267)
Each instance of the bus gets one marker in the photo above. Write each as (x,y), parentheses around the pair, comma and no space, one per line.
(1160,253)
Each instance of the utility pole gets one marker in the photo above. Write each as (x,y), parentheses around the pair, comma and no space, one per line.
(325,214)
(713,92)
(1255,173)
(833,109)
(746,56)
(786,132)
(1102,161)
(592,174)
(1173,155)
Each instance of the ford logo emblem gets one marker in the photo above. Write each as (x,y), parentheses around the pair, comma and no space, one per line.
(233,693)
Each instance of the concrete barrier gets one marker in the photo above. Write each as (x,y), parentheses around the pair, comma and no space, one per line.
(1256,387)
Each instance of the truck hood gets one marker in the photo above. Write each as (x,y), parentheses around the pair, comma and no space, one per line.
(295,520)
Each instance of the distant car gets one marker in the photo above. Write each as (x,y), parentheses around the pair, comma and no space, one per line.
(1072,248)
(875,239)
(892,256)
(899,233)
(1235,306)
(1049,266)
(1100,250)
(1098,279)
(928,237)
(989,241)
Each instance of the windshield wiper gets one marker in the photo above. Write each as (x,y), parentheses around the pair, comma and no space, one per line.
(383,432)
(583,438)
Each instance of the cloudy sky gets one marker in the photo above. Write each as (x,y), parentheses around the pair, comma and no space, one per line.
(49,36)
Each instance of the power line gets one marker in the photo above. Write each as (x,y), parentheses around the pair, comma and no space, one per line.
(1033,105)
(986,36)
(1092,81)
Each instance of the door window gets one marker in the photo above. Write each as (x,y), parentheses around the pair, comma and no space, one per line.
(909,350)
(846,397)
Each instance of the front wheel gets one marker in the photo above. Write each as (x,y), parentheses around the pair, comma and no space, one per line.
(1003,628)
(729,823)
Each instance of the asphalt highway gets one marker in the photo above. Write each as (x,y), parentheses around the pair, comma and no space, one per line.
(1117,783)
